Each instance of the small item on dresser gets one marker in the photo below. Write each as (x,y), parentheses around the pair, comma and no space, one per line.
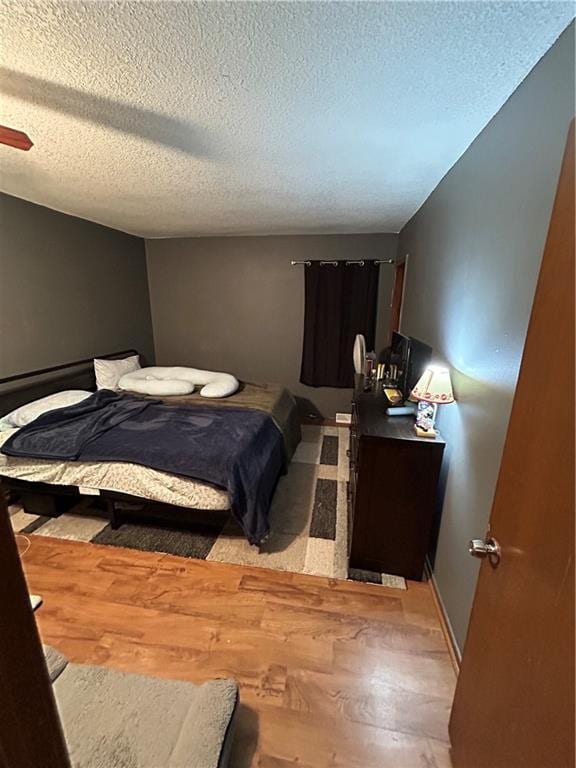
(425,417)
(367,384)
(359,353)
(433,388)
(407,409)
(369,364)
(393,395)
(390,378)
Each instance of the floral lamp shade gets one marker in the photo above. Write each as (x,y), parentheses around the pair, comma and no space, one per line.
(434,386)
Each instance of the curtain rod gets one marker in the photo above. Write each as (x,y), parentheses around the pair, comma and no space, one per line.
(360,263)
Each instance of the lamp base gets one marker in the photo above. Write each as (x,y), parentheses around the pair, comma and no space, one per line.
(425,418)
(429,433)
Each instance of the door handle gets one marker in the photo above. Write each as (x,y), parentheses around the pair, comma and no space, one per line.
(487,547)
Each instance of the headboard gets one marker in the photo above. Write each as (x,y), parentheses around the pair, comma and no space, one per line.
(24,387)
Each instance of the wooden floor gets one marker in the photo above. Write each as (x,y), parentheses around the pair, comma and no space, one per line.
(332,674)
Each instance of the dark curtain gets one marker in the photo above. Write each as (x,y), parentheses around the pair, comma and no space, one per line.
(340,301)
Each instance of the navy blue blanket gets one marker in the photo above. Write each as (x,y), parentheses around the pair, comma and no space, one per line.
(237,449)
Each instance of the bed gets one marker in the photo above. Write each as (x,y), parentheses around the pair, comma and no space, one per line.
(49,486)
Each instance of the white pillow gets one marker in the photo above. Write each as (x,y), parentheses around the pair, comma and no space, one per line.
(178,380)
(158,387)
(30,411)
(109,372)
(222,385)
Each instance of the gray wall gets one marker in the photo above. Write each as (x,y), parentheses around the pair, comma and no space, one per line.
(475,249)
(68,289)
(236,304)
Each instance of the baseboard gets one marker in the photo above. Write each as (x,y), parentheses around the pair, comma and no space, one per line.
(453,648)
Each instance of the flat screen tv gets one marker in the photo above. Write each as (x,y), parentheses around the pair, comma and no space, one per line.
(410,356)
(419,358)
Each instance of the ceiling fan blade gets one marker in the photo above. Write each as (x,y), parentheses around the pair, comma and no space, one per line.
(16,139)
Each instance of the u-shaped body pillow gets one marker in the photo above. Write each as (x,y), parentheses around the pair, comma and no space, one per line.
(178,380)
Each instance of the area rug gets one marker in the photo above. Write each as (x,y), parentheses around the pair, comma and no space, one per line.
(308,519)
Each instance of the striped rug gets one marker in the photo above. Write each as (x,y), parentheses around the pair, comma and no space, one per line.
(308,521)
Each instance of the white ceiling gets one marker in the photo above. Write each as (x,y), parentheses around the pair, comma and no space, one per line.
(184,118)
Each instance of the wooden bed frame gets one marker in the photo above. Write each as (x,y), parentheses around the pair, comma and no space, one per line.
(50,500)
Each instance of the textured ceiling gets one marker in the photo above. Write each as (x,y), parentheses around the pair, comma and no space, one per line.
(184,118)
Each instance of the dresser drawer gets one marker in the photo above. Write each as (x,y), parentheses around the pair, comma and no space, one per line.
(394,502)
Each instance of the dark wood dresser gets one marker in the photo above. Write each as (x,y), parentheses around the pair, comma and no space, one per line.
(393,488)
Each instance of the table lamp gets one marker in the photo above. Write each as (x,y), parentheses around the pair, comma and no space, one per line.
(432,389)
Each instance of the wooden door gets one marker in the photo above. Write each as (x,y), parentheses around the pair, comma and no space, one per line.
(514,702)
(30,731)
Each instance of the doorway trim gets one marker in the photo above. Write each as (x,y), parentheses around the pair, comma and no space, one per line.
(397,297)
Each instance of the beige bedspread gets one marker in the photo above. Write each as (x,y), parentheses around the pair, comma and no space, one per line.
(146,483)
(118,476)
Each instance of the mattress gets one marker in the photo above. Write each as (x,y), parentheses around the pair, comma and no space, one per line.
(132,479)
(154,485)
